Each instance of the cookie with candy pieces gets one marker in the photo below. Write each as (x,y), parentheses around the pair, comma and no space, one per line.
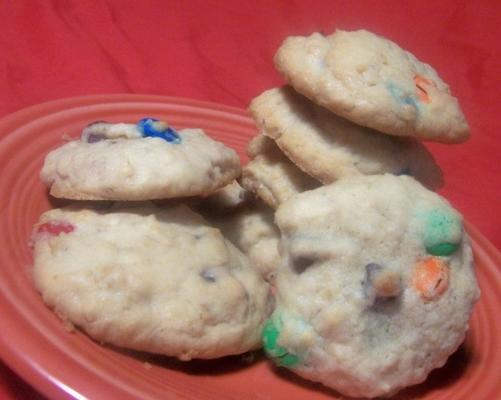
(376,285)
(144,161)
(122,275)
(373,82)
(328,147)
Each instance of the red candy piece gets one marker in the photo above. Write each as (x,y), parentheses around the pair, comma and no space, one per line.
(55,228)
(422,88)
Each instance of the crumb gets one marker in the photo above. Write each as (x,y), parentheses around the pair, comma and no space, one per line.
(68,326)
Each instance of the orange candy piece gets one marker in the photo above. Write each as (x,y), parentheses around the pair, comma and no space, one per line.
(431,278)
(421,88)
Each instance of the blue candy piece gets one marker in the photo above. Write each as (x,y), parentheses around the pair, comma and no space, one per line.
(401,97)
(151,127)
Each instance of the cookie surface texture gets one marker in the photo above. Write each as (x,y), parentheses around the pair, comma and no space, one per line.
(376,286)
(373,82)
(253,231)
(329,147)
(119,162)
(271,175)
(137,288)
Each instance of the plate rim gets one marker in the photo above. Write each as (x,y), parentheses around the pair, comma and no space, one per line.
(64,103)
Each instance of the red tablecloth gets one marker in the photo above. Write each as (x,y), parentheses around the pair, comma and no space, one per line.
(222,51)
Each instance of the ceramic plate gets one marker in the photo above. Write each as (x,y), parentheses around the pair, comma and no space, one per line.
(69,365)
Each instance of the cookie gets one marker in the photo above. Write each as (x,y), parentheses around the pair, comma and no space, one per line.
(123,276)
(329,147)
(376,285)
(373,82)
(143,161)
(252,230)
(271,175)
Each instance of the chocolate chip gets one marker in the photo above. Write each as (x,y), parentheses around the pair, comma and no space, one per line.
(95,137)
(380,283)
(302,263)
(372,268)
(208,275)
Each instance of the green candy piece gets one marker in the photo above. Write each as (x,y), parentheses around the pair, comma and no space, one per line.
(442,233)
(277,353)
(270,336)
(288,360)
(442,249)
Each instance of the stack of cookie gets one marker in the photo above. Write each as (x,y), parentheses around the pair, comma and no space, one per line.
(375,281)
(373,271)
(137,275)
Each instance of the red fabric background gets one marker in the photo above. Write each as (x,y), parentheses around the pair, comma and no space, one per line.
(222,51)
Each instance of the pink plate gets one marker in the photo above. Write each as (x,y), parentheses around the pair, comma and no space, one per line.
(69,365)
